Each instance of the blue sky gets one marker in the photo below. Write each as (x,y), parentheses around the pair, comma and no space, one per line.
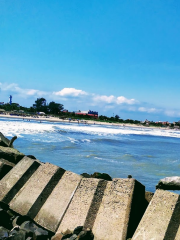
(117,57)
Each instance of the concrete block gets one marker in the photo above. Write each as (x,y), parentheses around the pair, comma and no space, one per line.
(11,154)
(37,189)
(120,211)
(161,220)
(79,207)
(57,203)
(13,181)
(5,167)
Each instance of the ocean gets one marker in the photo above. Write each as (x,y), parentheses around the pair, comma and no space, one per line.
(145,153)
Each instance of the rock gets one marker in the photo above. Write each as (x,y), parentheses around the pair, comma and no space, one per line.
(86,235)
(10,154)
(86,175)
(58,236)
(19,235)
(5,167)
(18,220)
(67,234)
(40,234)
(149,196)
(33,230)
(4,233)
(73,237)
(169,183)
(31,156)
(5,219)
(104,176)
(77,230)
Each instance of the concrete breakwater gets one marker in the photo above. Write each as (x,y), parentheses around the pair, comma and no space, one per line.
(44,201)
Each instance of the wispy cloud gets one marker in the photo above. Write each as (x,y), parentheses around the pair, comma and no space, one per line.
(70,92)
(112,99)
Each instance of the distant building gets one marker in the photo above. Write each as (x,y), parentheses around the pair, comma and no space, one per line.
(93,114)
(10,99)
(1,103)
(41,113)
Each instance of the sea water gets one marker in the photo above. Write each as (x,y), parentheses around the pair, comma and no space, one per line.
(145,153)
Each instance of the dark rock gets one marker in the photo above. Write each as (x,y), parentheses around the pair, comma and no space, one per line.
(34,231)
(86,175)
(10,154)
(18,220)
(73,237)
(5,219)
(13,232)
(67,234)
(19,235)
(4,233)
(41,234)
(104,176)
(58,236)
(31,156)
(169,183)
(129,176)
(86,235)
(149,196)
(5,167)
(77,230)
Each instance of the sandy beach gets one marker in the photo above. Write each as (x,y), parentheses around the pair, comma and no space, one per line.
(88,122)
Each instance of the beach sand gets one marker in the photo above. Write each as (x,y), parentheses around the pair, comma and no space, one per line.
(87,122)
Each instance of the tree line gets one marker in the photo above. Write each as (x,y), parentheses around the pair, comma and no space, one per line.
(40,105)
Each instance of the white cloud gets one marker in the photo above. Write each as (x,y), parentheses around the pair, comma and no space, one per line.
(22,92)
(70,92)
(112,99)
(103,98)
(149,110)
(121,100)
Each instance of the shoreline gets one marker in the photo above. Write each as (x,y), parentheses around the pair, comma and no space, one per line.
(86,122)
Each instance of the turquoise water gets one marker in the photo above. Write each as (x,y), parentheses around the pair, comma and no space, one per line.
(147,154)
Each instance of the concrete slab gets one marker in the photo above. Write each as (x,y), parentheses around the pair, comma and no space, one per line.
(161,219)
(79,207)
(11,154)
(37,189)
(57,203)
(5,167)
(120,210)
(13,181)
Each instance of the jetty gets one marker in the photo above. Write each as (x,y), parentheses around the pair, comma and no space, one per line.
(44,201)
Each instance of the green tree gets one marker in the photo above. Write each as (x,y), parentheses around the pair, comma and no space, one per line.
(55,108)
(40,105)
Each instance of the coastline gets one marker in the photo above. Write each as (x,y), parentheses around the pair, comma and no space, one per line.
(87,122)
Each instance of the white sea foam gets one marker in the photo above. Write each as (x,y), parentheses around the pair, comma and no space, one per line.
(10,128)
(19,128)
(103,130)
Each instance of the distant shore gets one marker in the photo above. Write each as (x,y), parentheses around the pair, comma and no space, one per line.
(87,122)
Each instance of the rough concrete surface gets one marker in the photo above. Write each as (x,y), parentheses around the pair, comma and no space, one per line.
(11,179)
(32,190)
(114,212)
(5,167)
(78,209)
(11,154)
(158,221)
(57,203)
